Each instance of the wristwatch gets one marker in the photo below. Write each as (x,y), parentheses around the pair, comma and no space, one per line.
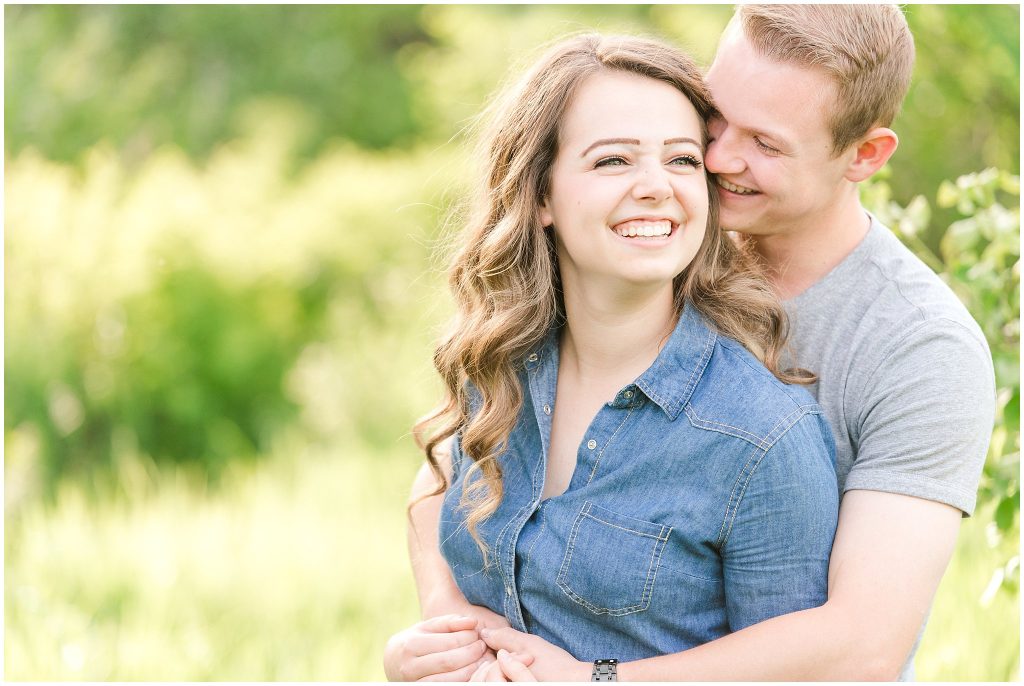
(605,670)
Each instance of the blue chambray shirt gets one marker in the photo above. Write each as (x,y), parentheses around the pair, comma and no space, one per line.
(704,500)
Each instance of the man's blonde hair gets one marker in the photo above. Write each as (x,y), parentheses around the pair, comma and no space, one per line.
(867,50)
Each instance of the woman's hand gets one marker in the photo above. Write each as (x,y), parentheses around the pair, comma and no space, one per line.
(550,663)
(508,667)
(446,648)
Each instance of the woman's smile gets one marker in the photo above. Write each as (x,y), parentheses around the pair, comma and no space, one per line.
(648,232)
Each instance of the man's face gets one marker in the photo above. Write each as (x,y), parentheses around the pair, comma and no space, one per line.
(771,147)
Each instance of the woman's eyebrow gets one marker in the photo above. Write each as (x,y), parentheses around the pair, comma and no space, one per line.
(634,141)
(610,141)
(671,141)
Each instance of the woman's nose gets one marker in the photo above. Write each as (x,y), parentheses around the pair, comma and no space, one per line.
(652,184)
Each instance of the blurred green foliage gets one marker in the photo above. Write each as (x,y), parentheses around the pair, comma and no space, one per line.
(189,315)
(144,75)
(387,75)
(222,225)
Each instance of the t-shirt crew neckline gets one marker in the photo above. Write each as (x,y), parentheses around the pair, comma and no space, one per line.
(848,263)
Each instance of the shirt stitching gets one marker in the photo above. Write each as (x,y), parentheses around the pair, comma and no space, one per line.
(733,509)
(600,453)
(760,442)
(661,536)
(659,548)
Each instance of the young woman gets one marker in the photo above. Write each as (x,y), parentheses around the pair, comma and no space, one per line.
(623,468)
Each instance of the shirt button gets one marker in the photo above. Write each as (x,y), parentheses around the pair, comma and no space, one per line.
(532,357)
(547,409)
(591,444)
(627,395)
(508,590)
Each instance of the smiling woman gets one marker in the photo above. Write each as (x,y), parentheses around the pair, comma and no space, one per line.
(649,192)
(620,465)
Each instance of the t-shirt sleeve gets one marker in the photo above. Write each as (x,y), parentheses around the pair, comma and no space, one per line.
(926,416)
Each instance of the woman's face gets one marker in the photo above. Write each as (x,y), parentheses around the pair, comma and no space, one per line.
(628,197)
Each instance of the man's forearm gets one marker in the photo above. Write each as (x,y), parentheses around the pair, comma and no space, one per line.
(817,645)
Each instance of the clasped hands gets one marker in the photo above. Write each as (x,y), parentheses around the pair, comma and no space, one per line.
(477,645)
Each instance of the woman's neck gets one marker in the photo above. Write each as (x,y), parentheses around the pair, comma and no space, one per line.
(612,340)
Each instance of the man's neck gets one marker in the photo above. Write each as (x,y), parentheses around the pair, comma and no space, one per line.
(799,258)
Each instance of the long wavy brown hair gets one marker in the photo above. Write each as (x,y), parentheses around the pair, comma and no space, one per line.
(504,275)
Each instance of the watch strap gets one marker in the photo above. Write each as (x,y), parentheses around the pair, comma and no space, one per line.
(605,670)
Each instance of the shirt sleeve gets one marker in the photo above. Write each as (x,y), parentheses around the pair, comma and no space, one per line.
(776,552)
(926,415)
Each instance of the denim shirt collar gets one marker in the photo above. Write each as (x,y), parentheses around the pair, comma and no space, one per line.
(671,379)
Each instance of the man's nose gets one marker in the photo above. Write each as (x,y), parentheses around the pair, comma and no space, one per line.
(722,157)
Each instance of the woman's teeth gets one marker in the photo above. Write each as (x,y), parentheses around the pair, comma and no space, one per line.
(644,229)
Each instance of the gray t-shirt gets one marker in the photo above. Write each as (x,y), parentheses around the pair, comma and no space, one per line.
(904,375)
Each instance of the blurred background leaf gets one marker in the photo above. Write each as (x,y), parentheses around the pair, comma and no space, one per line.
(223,282)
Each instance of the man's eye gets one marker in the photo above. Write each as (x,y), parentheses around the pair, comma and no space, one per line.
(686,160)
(765,147)
(610,162)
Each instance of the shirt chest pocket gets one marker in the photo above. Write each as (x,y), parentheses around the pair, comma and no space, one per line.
(611,561)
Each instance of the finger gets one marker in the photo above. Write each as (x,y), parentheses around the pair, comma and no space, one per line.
(512,668)
(426,644)
(523,657)
(508,638)
(494,673)
(460,675)
(448,623)
(481,671)
(448,660)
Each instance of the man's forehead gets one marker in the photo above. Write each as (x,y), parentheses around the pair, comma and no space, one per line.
(763,96)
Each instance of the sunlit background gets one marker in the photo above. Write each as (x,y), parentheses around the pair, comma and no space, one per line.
(222,288)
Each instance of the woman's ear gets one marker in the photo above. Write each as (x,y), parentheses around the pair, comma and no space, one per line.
(872,152)
(546,219)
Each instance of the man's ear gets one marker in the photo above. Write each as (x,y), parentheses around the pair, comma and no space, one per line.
(872,152)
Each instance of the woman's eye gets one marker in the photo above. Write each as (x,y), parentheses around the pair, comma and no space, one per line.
(610,162)
(686,160)
(765,147)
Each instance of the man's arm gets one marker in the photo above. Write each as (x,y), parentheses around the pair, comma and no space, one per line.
(889,555)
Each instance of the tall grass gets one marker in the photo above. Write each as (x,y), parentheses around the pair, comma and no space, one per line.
(292,570)
(295,569)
